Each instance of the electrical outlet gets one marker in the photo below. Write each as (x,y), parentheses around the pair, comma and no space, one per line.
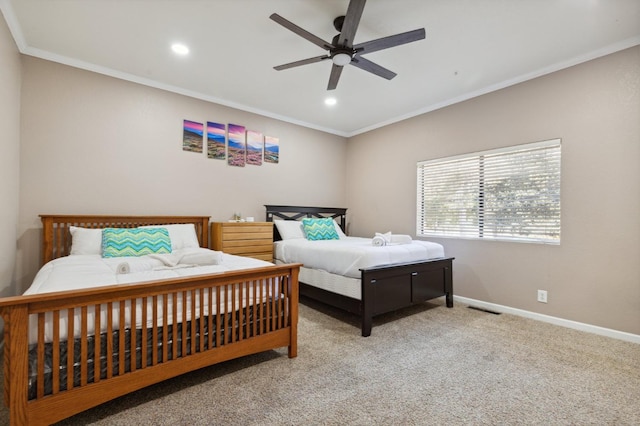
(542,296)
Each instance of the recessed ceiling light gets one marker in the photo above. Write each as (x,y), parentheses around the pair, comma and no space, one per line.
(180,49)
(330,101)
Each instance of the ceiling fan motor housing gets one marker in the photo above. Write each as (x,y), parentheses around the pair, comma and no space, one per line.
(340,55)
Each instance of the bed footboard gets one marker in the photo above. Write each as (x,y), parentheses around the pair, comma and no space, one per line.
(392,287)
(179,325)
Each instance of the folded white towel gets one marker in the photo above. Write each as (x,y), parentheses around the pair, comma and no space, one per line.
(167,259)
(202,257)
(130,268)
(378,241)
(190,257)
(186,258)
(400,239)
(394,239)
(123,268)
(386,236)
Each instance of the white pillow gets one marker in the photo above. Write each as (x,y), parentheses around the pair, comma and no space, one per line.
(182,235)
(85,240)
(339,230)
(289,229)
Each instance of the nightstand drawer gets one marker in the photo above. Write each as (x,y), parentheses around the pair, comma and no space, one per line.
(267,257)
(234,235)
(250,239)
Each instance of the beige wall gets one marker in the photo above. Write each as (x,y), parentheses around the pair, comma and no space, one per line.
(593,277)
(10,77)
(95,144)
(81,138)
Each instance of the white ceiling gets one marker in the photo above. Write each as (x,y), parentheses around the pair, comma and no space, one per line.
(471,47)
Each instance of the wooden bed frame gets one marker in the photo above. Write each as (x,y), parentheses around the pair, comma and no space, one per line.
(384,288)
(225,334)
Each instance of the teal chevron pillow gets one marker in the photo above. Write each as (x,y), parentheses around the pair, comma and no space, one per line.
(121,242)
(320,229)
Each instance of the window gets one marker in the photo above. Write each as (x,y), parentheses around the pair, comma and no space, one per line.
(504,194)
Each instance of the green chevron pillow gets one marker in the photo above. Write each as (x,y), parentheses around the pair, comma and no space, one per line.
(319,229)
(121,242)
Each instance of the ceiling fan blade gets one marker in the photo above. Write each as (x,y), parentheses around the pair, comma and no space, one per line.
(390,41)
(302,62)
(336,70)
(351,22)
(301,32)
(372,67)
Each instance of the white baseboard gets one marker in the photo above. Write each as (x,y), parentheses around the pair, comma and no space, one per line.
(620,335)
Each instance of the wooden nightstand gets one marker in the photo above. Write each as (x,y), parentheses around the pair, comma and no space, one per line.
(250,239)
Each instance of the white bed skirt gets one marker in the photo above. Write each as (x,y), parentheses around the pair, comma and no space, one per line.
(345,286)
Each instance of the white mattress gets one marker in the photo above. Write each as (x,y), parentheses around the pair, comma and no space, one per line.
(88,271)
(348,255)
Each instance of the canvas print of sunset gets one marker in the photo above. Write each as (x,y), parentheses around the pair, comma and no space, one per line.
(216,140)
(192,136)
(237,145)
(254,147)
(271,149)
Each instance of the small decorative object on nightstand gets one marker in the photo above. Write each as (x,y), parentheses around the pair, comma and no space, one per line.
(250,239)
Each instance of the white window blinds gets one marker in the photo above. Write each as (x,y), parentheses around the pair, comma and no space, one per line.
(504,194)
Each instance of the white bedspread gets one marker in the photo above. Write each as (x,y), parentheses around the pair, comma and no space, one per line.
(347,256)
(88,271)
(78,271)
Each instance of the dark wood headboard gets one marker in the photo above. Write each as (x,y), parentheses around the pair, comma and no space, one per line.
(300,212)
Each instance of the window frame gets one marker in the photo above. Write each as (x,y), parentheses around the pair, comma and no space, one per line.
(463,176)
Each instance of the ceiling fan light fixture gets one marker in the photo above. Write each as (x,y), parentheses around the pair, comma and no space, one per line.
(341,59)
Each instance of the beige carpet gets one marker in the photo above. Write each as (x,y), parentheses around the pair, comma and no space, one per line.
(425,365)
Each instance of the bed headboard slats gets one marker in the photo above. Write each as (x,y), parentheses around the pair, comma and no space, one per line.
(56,239)
(300,212)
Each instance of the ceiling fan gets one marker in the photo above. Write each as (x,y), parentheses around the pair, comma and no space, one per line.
(342,51)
